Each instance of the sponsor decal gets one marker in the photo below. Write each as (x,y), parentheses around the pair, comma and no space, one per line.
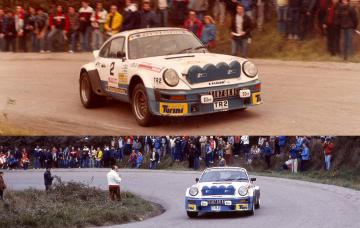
(113,81)
(191,207)
(173,109)
(122,79)
(156,33)
(217,83)
(149,67)
(157,80)
(232,71)
(201,75)
(121,91)
(241,207)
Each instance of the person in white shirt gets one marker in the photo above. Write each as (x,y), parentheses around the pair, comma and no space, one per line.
(98,19)
(114,180)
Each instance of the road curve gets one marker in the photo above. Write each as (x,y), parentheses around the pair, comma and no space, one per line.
(300,98)
(285,203)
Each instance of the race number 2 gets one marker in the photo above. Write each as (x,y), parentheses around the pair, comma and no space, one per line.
(112,66)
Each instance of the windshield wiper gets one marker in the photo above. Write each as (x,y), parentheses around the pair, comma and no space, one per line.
(200,47)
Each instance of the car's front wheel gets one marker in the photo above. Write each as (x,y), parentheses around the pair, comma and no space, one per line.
(140,105)
(257,205)
(87,96)
(192,214)
(252,210)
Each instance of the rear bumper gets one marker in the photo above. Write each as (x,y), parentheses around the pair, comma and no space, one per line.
(232,204)
(162,104)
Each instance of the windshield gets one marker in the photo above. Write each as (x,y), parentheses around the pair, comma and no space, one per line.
(224,175)
(160,43)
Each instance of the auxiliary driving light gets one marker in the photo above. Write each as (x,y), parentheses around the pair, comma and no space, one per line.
(204,203)
(227,203)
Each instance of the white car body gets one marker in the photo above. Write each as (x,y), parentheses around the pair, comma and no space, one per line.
(207,82)
(222,196)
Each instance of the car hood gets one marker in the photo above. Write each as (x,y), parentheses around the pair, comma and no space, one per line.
(219,189)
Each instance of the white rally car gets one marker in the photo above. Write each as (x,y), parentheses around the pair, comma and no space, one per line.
(167,72)
(222,189)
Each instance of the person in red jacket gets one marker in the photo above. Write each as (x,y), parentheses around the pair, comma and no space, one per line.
(59,24)
(328,148)
(194,24)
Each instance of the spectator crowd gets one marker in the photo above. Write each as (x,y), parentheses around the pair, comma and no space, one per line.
(86,28)
(202,151)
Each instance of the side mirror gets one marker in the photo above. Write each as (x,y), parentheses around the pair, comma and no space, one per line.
(197,180)
(253,179)
(120,55)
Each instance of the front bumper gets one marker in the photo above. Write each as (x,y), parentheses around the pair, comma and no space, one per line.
(227,205)
(162,104)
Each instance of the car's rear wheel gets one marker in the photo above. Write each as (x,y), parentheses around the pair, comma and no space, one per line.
(140,105)
(192,214)
(87,96)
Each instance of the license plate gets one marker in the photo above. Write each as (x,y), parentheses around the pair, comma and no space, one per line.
(215,208)
(224,93)
(245,93)
(221,105)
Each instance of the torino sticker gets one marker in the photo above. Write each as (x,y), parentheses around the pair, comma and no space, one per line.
(173,109)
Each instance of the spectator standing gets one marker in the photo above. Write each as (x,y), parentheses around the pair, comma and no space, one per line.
(114,180)
(260,14)
(131,17)
(228,153)
(267,151)
(219,11)
(161,7)
(282,14)
(132,159)
(9,31)
(240,32)
(328,148)
(2,186)
(307,16)
(294,158)
(85,13)
(41,27)
(98,20)
(113,21)
(139,160)
(180,9)
(305,157)
(59,24)
(200,7)
(30,31)
(148,18)
(332,28)
(73,34)
(2,40)
(154,159)
(37,156)
(20,28)
(193,24)
(208,36)
(48,179)
(347,18)
(294,19)
(98,158)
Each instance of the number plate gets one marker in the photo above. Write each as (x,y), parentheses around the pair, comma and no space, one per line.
(215,208)
(221,105)
(244,93)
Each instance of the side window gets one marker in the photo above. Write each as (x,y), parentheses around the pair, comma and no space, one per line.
(104,52)
(117,45)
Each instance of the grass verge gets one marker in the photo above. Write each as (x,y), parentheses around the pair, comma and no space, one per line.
(72,204)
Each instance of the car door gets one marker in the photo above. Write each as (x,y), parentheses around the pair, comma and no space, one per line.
(117,58)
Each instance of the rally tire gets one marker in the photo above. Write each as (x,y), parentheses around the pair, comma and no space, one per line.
(140,106)
(252,211)
(257,205)
(192,214)
(88,98)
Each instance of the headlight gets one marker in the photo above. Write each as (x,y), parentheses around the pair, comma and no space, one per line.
(250,69)
(171,78)
(193,191)
(243,191)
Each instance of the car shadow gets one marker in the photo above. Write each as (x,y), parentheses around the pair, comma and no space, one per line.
(223,215)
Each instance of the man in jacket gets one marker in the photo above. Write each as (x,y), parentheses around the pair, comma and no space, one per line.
(20,28)
(240,32)
(294,19)
(305,157)
(114,180)
(85,13)
(332,27)
(328,148)
(9,31)
(148,18)
(73,34)
(2,40)
(113,21)
(348,21)
(193,24)
(48,179)
(131,16)
(60,25)
(41,27)
(98,20)
(307,16)
(2,186)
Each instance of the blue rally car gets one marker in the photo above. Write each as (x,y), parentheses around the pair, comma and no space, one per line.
(222,189)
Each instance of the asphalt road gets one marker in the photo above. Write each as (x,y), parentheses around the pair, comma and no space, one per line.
(285,203)
(39,92)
